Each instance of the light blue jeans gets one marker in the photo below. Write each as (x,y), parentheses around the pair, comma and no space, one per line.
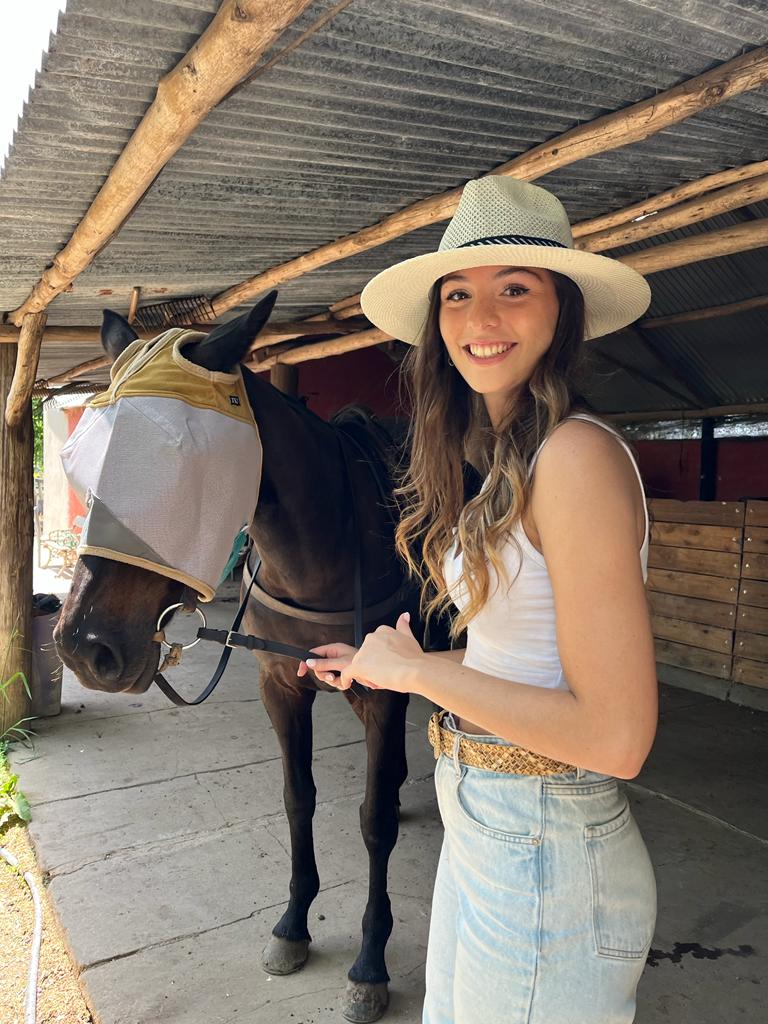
(544,903)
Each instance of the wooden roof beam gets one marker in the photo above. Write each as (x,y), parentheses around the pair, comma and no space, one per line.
(709,245)
(609,132)
(724,200)
(224,54)
(672,197)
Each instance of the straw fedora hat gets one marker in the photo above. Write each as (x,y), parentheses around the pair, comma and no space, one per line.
(501,221)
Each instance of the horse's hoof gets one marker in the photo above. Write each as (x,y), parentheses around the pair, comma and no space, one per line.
(284,956)
(365,1001)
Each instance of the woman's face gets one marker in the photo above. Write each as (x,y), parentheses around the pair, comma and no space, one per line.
(497,323)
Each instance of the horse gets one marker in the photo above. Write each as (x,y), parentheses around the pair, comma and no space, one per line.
(303,530)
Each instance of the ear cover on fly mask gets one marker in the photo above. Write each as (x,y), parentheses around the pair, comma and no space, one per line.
(168,461)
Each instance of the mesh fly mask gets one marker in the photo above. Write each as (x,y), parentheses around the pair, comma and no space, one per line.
(168,461)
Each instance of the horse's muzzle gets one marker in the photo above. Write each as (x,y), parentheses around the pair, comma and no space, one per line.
(101,659)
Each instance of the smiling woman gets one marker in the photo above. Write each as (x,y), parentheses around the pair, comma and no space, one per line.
(544,567)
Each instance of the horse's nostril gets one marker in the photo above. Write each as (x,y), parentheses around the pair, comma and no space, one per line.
(103,656)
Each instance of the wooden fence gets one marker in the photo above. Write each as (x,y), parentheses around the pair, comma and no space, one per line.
(708,588)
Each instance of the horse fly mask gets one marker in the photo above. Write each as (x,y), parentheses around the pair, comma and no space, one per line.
(164,512)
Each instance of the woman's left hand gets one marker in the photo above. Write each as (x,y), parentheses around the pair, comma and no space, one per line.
(388,659)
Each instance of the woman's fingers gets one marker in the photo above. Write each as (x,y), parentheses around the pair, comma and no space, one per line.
(334,651)
(322,665)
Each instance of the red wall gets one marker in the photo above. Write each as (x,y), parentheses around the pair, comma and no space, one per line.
(367,377)
(670,469)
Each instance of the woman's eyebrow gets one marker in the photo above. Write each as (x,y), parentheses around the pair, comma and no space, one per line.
(506,272)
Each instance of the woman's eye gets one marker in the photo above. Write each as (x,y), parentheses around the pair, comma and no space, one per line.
(515,289)
(455,296)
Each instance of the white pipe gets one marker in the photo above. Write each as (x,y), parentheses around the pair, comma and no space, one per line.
(30,1005)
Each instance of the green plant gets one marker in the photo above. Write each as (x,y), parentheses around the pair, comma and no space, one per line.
(37,426)
(16,732)
(13,803)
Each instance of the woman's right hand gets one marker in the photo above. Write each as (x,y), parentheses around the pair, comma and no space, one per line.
(331,659)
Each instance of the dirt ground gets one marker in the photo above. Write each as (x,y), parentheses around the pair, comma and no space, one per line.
(59,999)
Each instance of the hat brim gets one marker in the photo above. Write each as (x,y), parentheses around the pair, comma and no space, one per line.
(397,299)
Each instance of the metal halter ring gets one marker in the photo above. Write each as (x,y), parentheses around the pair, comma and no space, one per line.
(172,608)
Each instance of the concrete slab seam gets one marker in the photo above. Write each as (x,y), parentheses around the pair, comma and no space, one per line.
(697,811)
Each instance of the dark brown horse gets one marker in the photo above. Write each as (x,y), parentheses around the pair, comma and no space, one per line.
(303,530)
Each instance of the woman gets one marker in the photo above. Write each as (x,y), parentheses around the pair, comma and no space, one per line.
(544,902)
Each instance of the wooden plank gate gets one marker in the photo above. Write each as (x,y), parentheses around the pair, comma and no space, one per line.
(708,587)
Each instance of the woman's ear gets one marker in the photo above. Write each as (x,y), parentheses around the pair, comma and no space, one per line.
(228,343)
(116,333)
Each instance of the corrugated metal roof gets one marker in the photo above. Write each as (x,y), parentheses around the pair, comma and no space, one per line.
(391,101)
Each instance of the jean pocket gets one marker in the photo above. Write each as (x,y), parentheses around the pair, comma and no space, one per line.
(492,803)
(623,887)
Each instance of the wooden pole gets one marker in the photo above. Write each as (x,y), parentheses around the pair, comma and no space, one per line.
(647,261)
(729,309)
(673,197)
(28,354)
(133,307)
(77,371)
(223,55)
(708,246)
(335,347)
(722,201)
(612,131)
(16,545)
(285,379)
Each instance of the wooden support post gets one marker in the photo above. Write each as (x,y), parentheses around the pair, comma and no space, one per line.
(708,464)
(16,545)
(285,378)
(20,391)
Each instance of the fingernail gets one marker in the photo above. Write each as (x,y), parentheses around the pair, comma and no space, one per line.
(329,678)
(407,616)
(311,662)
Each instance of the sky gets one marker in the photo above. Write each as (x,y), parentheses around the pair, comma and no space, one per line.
(24,29)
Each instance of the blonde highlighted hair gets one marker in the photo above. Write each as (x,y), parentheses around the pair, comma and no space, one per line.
(450,427)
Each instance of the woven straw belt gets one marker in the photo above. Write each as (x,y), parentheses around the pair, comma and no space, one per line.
(493,757)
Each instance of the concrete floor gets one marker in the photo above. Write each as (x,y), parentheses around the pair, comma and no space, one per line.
(163,836)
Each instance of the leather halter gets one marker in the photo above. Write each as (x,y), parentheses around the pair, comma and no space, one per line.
(355,616)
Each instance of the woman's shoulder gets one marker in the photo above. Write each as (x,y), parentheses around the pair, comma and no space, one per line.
(587,463)
(588,430)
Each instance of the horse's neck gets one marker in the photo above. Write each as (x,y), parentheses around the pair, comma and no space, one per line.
(301,525)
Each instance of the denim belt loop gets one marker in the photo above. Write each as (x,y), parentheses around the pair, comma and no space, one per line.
(455,754)
(580,773)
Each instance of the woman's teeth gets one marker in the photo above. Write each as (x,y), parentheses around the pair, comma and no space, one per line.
(485,351)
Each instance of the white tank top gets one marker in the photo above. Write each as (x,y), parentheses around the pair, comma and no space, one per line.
(513,635)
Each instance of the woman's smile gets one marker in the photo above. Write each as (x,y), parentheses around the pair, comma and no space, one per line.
(488,353)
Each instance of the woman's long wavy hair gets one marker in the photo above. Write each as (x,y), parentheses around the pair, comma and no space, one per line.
(450,427)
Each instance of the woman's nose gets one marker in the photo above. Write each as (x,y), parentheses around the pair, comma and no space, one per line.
(484,313)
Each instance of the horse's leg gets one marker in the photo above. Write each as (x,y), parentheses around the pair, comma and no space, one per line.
(290,711)
(383,715)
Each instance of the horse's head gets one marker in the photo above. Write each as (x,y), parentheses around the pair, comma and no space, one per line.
(168,460)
